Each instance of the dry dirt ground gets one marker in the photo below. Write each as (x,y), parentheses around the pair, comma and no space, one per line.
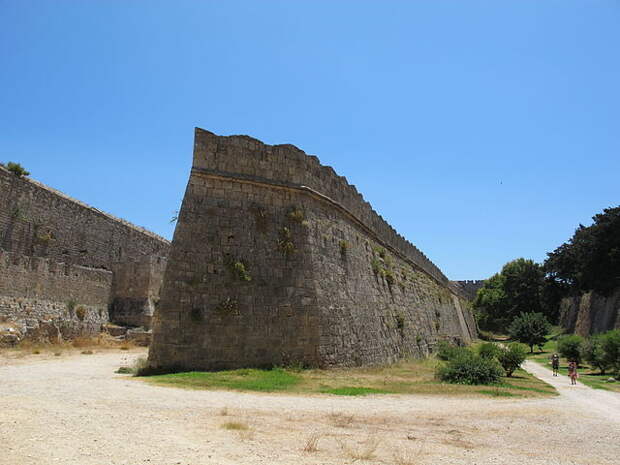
(74,410)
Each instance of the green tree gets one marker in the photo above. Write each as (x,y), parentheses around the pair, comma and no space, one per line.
(570,347)
(530,328)
(590,260)
(511,357)
(593,353)
(610,343)
(515,290)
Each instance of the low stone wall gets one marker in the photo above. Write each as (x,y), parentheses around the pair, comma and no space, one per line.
(40,298)
(590,313)
(135,291)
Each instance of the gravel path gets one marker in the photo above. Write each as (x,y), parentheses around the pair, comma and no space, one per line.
(604,403)
(75,410)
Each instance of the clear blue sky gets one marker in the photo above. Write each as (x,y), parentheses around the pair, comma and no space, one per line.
(481,130)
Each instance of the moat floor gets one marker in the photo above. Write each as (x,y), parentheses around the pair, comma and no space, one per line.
(74,410)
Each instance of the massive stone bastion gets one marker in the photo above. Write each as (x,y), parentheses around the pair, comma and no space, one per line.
(276,259)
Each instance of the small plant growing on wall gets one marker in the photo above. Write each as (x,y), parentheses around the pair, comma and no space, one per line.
(45,238)
(389,276)
(80,312)
(296,215)
(241,272)
(17,169)
(344,247)
(285,242)
(71,306)
(379,251)
(227,306)
(375,264)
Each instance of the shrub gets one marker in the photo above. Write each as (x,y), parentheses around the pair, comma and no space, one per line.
(511,357)
(593,353)
(17,169)
(570,347)
(468,368)
(489,350)
(80,312)
(530,328)
(447,351)
(610,342)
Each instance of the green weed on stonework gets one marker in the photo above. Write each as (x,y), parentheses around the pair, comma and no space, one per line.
(241,272)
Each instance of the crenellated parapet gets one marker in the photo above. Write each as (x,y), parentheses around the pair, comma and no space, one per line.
(246,158)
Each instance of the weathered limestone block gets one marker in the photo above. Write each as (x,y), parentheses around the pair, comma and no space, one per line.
(276,259)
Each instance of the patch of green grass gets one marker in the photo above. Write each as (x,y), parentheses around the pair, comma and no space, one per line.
(249,379)
(405,377)
(354,391)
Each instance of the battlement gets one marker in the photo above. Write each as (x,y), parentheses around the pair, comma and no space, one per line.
(37,220)
(249,159)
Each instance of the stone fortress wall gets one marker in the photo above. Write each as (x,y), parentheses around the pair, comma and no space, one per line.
(43,298)
(590,313)
(277,259)
(42,231)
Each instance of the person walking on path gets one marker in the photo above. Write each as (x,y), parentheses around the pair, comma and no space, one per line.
(572,372)
(555,364)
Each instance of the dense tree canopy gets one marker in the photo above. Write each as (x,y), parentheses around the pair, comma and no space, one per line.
(590,260)
(516,289)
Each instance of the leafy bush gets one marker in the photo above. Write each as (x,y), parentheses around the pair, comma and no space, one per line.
(511,357)
(447,351)
(610,342)
(530,328)
(593,353)
(489,350)
(570,347)
(17,169)
(468,368)
(80,312)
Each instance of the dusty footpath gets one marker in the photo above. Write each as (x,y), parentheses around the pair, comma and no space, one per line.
(75,410)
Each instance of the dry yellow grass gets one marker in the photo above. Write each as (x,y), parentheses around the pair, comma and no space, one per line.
(312,443)
(339,419)
(361,451)
(235,425)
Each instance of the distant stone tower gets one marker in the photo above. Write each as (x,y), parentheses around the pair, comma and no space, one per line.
(277,259)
